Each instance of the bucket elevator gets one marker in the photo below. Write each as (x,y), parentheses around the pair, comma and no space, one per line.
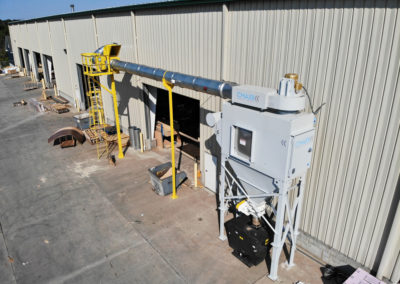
(266,142)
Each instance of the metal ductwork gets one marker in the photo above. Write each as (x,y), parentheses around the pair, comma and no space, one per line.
(204,85)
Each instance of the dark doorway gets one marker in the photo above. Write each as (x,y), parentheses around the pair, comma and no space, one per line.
(39,65)
(83,87)
(21,57)
(48,70)
(186,120)
(28,62)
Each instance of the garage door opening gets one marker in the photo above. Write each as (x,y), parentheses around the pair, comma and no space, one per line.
(37,60)
(21,57)
(28,64)
(48,69)
(186,122)
(83,87)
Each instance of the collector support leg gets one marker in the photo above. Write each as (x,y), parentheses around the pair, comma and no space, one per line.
(297,220)
(277,244)
(221,197)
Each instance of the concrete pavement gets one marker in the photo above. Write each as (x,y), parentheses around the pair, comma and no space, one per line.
(67,217)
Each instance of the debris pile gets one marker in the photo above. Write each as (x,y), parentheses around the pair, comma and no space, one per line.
(31,85)
(20,103)
(10,70)
(36,105)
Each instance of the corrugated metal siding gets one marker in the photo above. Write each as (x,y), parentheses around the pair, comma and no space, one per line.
(17,43)
(14,42)
(80,38)
(31,32)
(43,37)
(348,57)
(187,40)
(60,59)
(119,28)
(24,36)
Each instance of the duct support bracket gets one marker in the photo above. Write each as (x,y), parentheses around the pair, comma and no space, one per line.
(117,124)
(169,86)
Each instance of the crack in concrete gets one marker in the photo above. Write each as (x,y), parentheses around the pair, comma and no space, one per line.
(92,265)
(8,253)
(21,122)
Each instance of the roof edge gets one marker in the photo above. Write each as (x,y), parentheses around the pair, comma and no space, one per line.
(153,5)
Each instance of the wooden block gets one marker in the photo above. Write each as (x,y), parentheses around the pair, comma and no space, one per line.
(92,136)
(159,139)
(68,143)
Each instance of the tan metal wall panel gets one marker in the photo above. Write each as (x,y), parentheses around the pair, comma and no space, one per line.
(24,39)
(15,38)
(14,44)
(119,28)
(187,40)
(31,32)
(184,39)
(347,54)
(43,37)
(60,58)
(376,124)
(80,38)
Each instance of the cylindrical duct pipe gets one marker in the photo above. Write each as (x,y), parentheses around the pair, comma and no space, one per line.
(199,84)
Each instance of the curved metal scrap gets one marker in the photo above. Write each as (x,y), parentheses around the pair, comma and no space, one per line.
(75,132)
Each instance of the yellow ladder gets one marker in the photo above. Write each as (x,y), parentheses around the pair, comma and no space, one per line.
(96,112)
(94,66)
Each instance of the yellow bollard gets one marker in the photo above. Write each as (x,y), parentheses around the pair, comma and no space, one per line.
(195,175)
(141,143)
(55,90)
(169,87)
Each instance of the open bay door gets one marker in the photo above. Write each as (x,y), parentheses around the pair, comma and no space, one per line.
(152,107)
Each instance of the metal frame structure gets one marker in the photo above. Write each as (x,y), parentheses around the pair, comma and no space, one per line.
(287,215)
(94,65)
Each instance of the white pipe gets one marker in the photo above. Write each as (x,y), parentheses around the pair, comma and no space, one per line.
(392,250)
(396,271)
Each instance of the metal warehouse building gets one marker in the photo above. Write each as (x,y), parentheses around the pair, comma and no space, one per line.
(347,53)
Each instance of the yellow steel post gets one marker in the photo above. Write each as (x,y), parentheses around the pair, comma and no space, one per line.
(169,87)
(114,95)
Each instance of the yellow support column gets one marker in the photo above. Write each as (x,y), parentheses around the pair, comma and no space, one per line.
(169,87)
(114,95)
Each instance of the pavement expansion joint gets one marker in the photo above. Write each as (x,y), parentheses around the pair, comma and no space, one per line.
(94,264)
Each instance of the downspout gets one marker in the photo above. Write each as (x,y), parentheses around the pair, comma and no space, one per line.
(391,251)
